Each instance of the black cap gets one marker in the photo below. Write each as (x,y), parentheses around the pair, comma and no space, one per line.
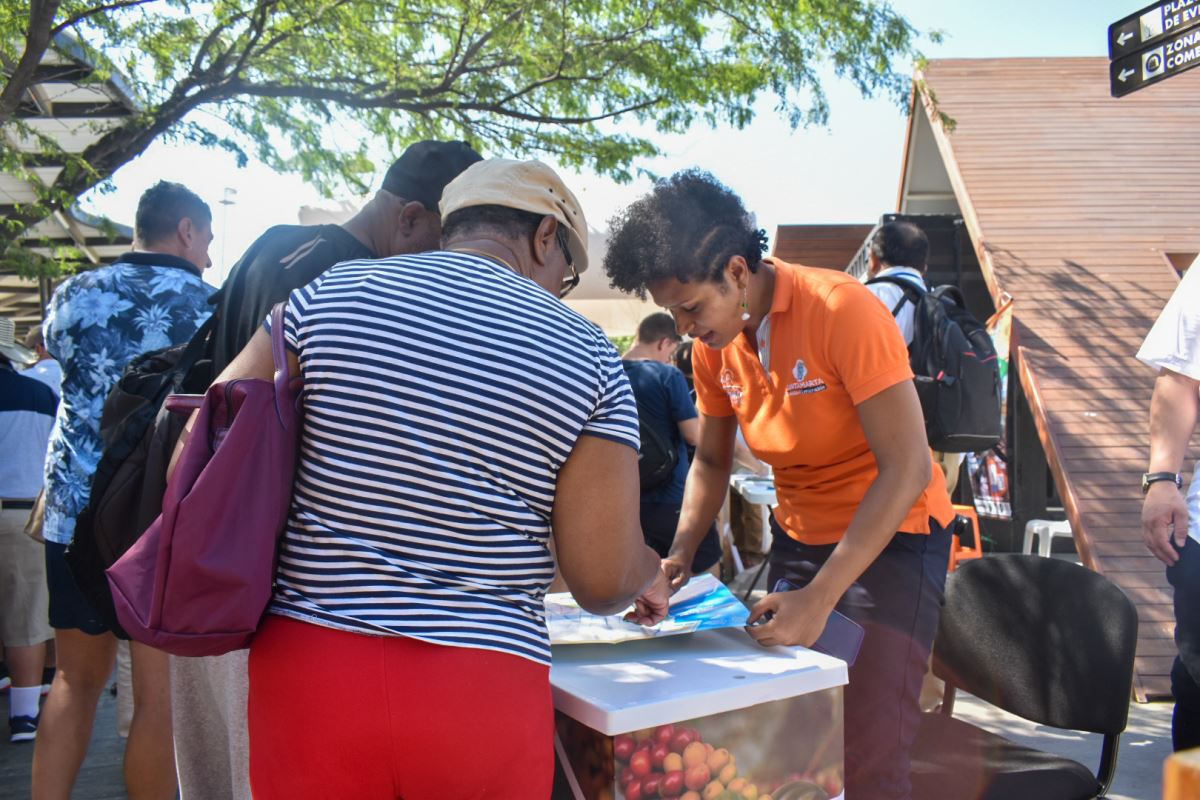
(424,169)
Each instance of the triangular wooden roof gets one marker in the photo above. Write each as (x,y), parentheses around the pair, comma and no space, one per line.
(1076,203)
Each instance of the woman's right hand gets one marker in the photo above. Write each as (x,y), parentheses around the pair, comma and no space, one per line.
(651,607)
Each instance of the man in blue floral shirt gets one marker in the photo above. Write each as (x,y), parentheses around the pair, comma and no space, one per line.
(97,323)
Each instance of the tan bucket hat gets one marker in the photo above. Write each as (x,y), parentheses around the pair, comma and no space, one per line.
(523,185)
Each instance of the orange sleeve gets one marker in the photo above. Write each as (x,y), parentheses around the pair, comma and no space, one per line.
(706,369)
(863,342)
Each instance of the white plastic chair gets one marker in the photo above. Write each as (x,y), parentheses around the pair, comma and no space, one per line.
(1045,530)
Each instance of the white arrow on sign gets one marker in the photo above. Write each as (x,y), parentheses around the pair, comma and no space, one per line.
(1124,37)
(1126,74)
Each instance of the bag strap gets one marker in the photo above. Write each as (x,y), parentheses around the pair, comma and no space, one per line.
(279,352)
(192,353)
(911,292)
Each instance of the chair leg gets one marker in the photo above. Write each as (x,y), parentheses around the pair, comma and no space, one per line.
(1027,543)
(1108,763)
(1045,543)
(948,695)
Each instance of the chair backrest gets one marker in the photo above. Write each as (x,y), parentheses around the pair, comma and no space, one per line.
(1042,638)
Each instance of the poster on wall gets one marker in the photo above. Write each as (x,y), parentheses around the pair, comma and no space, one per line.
(989,470)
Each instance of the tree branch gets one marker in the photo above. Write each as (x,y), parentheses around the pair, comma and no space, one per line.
(396,100)
(93,11)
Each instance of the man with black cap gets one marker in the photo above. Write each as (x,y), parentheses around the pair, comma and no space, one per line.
(208,695)
(401,218)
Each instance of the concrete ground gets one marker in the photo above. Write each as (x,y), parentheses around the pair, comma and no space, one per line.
(1145,744)
(100,778)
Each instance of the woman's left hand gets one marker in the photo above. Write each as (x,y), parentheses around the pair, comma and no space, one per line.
(799,618)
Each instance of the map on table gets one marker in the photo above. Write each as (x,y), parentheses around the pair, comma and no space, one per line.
(703,604)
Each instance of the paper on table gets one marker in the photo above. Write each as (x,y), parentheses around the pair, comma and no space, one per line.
(703,604)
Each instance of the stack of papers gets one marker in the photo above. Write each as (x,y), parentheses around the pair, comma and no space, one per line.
(703,604)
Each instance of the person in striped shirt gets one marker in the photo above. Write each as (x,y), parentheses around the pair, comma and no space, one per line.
(458,416)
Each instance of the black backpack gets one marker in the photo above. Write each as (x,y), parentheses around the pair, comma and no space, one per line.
(139,437)
(957,372)
(657,458)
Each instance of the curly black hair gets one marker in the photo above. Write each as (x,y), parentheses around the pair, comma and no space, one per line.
(687,228)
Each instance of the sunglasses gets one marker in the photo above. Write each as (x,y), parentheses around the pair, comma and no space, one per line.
(568,284)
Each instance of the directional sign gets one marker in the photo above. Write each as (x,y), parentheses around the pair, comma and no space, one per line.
(1151,25)
(1157,63)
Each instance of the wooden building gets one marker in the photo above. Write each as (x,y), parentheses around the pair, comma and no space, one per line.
(1082,209)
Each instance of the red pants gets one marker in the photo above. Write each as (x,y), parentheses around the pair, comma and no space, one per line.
(354,717)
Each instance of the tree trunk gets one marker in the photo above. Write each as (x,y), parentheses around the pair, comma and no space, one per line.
(41,22)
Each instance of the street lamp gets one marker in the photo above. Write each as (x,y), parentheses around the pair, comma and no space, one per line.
(226,201)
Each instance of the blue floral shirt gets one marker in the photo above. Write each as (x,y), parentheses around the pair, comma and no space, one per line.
(97,323)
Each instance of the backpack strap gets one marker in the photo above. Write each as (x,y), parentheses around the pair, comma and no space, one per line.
(911,292)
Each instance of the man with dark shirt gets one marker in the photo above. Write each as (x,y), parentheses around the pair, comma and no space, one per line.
(208,695)
(665,404)
(401,218)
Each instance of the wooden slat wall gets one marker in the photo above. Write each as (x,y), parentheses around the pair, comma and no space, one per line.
(1072,198)
(825,246)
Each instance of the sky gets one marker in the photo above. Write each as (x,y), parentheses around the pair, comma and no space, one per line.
(845,172)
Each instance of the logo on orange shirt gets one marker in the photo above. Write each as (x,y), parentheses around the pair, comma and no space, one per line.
(801,386)
(731,387)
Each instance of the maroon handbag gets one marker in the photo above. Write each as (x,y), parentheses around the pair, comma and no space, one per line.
(199,579)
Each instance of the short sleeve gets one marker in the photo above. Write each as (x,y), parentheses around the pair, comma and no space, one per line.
(711,399)
(1174,341)
(862,342)
(293,311)
(678,397)
(615,417)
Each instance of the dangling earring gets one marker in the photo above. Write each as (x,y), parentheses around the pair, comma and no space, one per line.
(745,307)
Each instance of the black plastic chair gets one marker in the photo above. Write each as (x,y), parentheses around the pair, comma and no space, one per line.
(1047,640)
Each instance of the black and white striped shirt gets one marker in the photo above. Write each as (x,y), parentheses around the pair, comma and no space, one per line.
(442,394)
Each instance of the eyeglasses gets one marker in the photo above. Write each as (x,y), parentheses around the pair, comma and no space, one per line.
(568,284)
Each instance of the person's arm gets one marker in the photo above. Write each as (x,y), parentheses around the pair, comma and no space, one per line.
(254,361)
(704,494)
(598,536)
(1174,408)
(894,429)
(689,429)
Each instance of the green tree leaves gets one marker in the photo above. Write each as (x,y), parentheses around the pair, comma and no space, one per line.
(314,85)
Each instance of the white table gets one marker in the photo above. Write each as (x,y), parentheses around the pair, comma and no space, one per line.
(758,490)
(778,710)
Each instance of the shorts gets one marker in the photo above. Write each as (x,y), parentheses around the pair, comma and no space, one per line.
(24,600)
(658,528)
(69,610)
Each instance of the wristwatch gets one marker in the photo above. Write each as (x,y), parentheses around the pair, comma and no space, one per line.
(1154,477)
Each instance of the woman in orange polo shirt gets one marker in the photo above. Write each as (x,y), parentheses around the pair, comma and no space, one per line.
(813,368)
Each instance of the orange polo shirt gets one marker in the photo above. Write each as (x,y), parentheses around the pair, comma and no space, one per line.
(832,346)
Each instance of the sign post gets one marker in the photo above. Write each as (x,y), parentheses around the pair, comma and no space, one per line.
(1153,44)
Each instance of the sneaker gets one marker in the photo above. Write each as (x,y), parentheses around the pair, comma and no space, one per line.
(23,729)
(47,679)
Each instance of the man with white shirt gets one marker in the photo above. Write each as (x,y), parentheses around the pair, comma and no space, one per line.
(900,250)
(1171,522)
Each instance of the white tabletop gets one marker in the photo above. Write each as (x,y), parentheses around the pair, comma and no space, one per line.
(625,687)
(756,489)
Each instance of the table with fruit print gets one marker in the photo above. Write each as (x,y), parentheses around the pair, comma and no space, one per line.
(706,715)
